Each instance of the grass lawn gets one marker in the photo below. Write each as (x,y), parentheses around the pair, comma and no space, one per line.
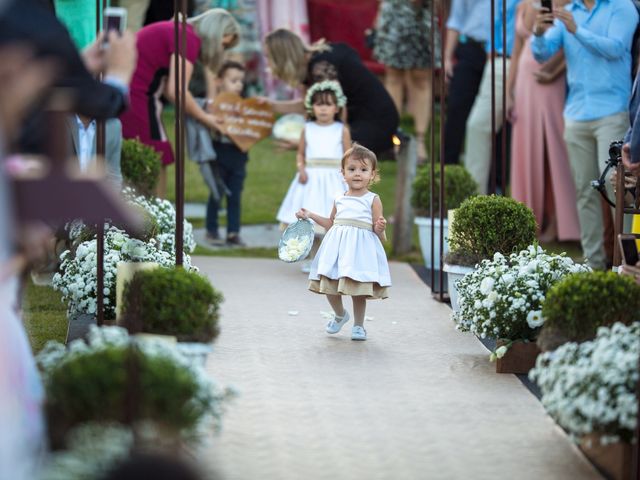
(44,316)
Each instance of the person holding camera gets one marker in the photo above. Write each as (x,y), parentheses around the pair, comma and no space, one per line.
(596,38)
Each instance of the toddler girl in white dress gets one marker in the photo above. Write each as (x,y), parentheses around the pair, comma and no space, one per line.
(351,259)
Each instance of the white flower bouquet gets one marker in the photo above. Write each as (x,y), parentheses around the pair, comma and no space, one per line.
(77,278)
(503,297)
(590,387)
(296,241)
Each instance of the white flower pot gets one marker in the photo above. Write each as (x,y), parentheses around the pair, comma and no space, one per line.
(455,273)
(196,352)
(424,234)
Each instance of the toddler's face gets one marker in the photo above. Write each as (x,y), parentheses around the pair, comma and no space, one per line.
(358,173)
(232,81)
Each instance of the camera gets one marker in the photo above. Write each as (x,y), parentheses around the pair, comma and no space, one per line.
(615,151)
(615,157)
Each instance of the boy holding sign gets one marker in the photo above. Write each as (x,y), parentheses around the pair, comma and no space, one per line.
(231,163)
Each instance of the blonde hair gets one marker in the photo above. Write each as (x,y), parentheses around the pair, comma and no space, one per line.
(288,52)
(364,155)
(211,27)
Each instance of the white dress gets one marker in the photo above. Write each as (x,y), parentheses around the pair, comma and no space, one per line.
(354,252)
(323,154)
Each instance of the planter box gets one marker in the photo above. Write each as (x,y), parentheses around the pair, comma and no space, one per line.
(520,358)
(455,273)
(424,234)
(196,352)
(614,460)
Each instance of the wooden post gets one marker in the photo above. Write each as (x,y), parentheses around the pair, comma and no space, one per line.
(403,215)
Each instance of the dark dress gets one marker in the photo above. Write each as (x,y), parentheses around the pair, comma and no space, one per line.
(371,114)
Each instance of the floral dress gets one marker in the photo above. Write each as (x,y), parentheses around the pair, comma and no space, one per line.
(403,35)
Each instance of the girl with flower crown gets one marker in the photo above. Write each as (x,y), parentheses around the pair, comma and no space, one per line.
(322,144)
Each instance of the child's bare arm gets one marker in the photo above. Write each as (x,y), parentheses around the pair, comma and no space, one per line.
(324,222)
(300,160)
(379,222)
(346,138)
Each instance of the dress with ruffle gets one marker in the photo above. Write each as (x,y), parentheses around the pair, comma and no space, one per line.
(351,259)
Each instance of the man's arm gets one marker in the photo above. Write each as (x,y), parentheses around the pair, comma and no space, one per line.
(544,46)
(617,41)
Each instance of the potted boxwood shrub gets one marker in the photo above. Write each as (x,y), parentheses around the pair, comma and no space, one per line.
(577,305)
(176,302)
(140,166)
(114,378)
(589,388)
(458,185)
(483,226)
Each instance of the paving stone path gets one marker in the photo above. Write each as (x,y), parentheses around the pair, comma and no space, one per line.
(418,400)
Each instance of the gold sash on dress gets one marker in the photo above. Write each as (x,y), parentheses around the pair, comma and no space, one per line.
(353,223)
(324,162)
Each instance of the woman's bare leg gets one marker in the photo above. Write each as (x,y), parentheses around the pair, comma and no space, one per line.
(419,94)
(394,83)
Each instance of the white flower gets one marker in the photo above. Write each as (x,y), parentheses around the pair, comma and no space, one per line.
(294,248)
(501,351)
(486,285)
(534,319)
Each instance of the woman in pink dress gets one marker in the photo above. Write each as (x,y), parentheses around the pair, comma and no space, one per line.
(207,36)
(540,173)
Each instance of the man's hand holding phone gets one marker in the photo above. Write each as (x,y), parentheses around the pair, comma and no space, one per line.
(544,18)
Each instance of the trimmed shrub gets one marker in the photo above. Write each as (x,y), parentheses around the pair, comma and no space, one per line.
(140,165)
(458,185)
(172,301)
(580,303)
(485,225)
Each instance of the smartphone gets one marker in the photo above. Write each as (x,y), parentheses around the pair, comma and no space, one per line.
(548,4)
(629,248)
(115,18)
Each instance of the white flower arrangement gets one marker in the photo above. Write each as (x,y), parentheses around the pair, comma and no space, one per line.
(325,85)
(294,248)
(77,278)
(209,396)
(590,387)
(503,297)
(165,214)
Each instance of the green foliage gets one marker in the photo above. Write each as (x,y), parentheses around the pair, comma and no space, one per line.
(140,165)
(458,185)
(580,303)
(122,384)
(154,302)
(485,225)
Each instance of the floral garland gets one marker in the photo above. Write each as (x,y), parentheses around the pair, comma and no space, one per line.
(503,298)
(325,85)
(590,387)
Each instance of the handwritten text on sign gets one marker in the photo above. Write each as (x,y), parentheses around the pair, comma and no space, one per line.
(245,120)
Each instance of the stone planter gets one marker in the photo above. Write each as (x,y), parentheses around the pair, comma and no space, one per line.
(455,273)
(520,358)
(614,460)
(425,224)
(196,352)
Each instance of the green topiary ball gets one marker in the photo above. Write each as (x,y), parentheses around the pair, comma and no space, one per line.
(458,185)
(172,302)
(485,225)
(580,303)
(140,165)
(95,387)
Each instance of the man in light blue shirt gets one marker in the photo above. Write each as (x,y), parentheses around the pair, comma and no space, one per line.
(596,36)
(468,29)
(478,158)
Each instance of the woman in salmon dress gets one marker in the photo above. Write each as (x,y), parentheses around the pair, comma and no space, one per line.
(540,173)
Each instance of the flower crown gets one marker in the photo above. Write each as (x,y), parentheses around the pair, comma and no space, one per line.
(325,85)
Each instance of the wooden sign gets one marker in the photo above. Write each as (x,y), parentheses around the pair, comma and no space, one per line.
(245,120)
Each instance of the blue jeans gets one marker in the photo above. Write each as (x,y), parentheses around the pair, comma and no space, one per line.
(232,168)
